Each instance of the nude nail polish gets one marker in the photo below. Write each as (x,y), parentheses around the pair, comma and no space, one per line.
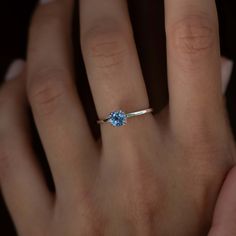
(226,71)
(15,69)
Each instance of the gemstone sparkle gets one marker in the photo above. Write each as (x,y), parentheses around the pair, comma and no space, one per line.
(117,118)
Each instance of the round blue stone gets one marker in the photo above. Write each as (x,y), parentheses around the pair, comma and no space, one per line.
(117,118)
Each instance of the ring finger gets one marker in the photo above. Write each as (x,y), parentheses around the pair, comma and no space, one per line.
(111,59)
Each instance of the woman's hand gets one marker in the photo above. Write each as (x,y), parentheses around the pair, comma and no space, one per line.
(223,223)
(225,213)
(158,175)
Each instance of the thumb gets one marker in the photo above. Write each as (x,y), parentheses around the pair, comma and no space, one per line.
(224,220)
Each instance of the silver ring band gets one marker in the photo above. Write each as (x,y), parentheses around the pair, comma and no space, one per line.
(119,118)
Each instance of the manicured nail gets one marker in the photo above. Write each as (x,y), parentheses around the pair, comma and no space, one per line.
(45,1)
(15,69)
(226,71)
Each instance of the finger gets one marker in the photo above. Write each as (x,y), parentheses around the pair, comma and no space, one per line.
(226,71)
(111,58)
(224,221)
(21,179)
(193,61)
(58,113)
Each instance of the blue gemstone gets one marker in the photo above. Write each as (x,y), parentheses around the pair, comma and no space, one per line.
(117,118)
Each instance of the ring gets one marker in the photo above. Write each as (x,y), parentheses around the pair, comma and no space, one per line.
(119,118)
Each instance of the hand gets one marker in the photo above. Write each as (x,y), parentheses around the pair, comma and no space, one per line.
(158,175)
(225,214)
(223,223)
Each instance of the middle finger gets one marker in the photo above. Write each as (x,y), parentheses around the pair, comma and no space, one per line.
(57,110)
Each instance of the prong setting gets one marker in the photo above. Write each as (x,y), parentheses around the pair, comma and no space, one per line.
(117,118)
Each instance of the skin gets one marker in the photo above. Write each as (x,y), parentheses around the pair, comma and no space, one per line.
(225,213)
(158,175)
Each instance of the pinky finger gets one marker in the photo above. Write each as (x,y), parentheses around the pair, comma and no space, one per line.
(21,181)
(224,221)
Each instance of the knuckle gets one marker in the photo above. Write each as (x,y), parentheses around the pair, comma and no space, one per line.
(46,89)
(47,18)
(192,36)
(106,46)
(142,193)
(43,21)
(199,140)
(205,145)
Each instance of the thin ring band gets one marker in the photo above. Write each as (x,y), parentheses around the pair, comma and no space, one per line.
(119,118)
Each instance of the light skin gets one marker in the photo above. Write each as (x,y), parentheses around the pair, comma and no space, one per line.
(158,175)
(223,223)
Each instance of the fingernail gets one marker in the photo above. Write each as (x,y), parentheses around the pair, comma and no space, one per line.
(45,1)
(14,69)
(226,71)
